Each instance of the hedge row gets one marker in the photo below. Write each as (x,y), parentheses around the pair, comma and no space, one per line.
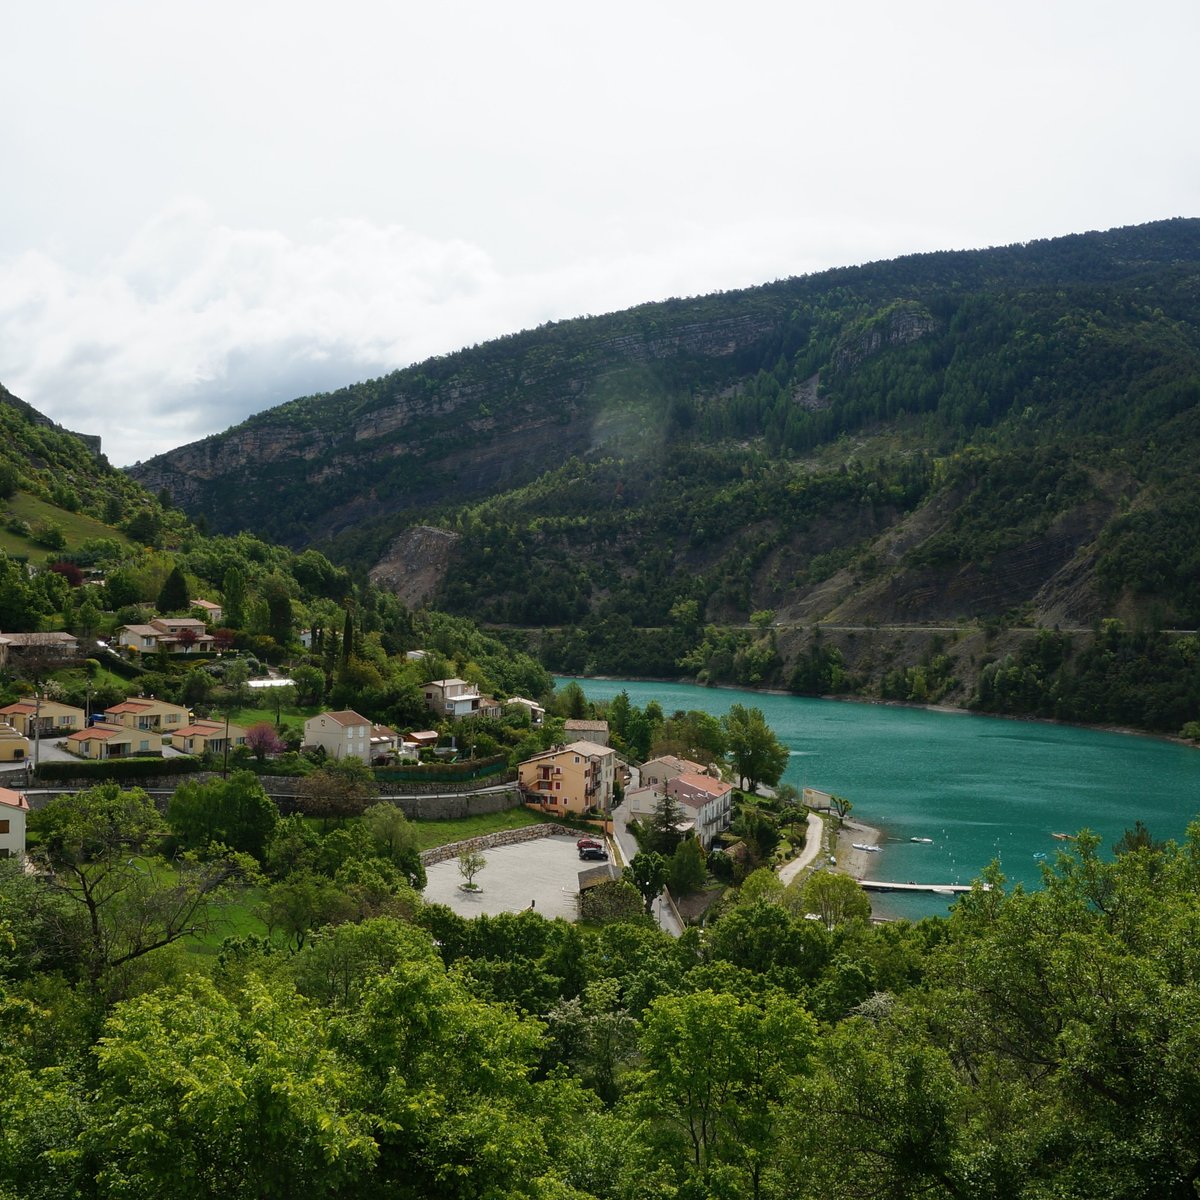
(119,666)
(118,768)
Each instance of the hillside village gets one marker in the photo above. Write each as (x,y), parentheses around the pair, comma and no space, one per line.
(307,890)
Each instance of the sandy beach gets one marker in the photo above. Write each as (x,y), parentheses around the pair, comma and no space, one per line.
(856,863)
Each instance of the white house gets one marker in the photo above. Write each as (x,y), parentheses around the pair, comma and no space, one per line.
(14,808)
(708,801)
(454,698)
(341,734)
(537,714)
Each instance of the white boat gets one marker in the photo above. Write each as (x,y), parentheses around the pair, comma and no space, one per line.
(923,841)
(864,846)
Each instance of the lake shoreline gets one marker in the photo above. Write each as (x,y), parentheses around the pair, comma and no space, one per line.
(953,709)
(852,862)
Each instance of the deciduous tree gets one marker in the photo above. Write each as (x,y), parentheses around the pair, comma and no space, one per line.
(648,873)
(263,741)
(758,755)
(99,849)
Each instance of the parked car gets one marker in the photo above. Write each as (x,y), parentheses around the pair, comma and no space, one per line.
(589,844)
(593,854)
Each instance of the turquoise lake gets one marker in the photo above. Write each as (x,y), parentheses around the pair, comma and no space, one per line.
(982,788)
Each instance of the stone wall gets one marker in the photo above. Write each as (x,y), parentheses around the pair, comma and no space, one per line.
(506,837)
(282,789)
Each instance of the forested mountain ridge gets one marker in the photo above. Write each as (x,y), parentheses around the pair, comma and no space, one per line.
(483,419)
(1006,435)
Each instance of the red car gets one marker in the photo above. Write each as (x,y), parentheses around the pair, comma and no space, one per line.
(588,844)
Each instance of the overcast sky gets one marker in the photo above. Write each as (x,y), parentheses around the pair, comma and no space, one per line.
(212,208)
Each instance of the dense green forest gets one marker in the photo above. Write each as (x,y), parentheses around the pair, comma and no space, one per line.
(1031,1045)
(997,436)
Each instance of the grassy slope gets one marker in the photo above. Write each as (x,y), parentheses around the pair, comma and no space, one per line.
(77,527)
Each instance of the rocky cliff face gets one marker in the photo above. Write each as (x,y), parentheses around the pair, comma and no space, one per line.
(442,432)
(415,563)
(896,326)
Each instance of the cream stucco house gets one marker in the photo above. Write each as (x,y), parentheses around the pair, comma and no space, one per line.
(341,734)
(46,718)
(145,712)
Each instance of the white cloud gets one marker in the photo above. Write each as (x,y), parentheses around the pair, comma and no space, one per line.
(195,325)
(396,181)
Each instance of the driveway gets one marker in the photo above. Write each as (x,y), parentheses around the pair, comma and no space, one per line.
(543,872)
(812,847)
(662,912)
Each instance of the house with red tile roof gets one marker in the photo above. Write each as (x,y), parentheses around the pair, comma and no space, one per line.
(569,779)
(146,712)
(102,741)
(212,612)
(176,635)
(343,734)
(45,717)
(708,801)
(211,737)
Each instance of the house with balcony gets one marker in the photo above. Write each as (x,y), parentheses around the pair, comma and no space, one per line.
(340,734)
(42,717)
(708,802)
(14,809)
(570,779)
(146,713)
(453,699)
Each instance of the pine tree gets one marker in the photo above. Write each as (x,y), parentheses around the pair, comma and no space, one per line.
(662,834)
(173,598)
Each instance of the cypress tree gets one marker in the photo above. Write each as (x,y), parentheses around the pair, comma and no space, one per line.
(174,595)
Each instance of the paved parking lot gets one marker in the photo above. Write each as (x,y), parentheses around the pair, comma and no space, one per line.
(545,871)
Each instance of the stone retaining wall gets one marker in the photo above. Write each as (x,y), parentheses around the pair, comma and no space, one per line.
(506,837)
(283,790)
(445,808)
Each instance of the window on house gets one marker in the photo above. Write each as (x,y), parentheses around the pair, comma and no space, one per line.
(4,826)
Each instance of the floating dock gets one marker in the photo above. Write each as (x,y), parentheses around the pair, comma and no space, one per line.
(937,889)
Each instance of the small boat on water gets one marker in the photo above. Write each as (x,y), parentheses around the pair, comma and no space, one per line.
(923,841)
(1063,837)
(864,846)
(1039,855)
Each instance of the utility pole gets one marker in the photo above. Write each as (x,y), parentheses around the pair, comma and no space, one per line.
(37,726)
